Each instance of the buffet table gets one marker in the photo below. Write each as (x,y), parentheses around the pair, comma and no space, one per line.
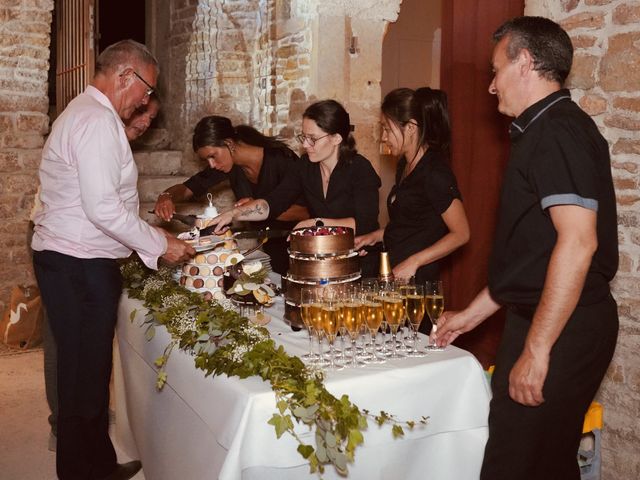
(201,427)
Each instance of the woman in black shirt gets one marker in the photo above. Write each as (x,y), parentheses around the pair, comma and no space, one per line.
(427,220)
(253,163)
(340,187)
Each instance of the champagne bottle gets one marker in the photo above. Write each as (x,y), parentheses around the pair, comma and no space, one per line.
(385,275)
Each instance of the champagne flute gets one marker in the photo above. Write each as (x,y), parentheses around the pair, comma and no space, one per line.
(434,305)
(405,288)
(394,314)
(415,310)
(351,318)
(373,317)
(307,301)
(316,320)
(330,325)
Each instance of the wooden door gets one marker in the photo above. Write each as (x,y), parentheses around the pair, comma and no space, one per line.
(75,49)
(480,150)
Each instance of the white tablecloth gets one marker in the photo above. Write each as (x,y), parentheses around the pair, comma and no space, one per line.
(205,428)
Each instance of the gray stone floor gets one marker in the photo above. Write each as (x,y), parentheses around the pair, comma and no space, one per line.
(24,431)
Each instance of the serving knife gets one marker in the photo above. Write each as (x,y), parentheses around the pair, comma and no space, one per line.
(189,220)
(261,233)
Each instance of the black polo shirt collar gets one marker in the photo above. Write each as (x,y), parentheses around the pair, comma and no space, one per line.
(531,114)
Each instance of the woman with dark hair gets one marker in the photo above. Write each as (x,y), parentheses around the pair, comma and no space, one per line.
(340,187)
(254,164)
(427,220)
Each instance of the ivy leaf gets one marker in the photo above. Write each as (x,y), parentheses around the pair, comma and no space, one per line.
(149,333)
(160,361)
(397,431)
(281,423)
(305,450)
(132,315)
(282,406)
(355,438)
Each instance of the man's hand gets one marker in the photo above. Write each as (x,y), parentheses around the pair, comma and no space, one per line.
(164,207)
(527,379)
(177,250)
(450,326)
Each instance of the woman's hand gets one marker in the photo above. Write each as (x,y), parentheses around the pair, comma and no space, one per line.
(243,201)
(405,269)
(164,207)
(368,239)
(221,222)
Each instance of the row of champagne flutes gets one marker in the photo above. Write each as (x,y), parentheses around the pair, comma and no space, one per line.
(360,311)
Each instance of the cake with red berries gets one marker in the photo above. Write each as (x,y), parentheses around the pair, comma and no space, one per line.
(319,257)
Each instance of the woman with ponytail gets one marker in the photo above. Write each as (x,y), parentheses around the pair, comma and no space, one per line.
(253,163)
(339,186)
(427,220)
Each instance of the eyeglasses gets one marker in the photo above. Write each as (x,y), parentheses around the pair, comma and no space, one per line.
(150,89)
(310,140)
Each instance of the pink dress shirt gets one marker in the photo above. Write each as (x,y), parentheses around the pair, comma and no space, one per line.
(88,195)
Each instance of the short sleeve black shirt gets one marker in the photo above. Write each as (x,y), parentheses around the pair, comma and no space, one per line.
(558,157)
(352,192)
(415,205)
(278,163)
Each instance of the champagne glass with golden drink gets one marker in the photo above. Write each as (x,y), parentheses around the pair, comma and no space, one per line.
(331,324)
(308,300)
(405,287)
(352,320)
(315,312)
(393,307)
(434,306)
(373,316)
(415,311)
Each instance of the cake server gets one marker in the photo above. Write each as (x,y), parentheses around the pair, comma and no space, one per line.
(186,219)
(262,233)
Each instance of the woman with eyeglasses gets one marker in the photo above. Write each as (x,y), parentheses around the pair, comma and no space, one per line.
(253,163)
(427,220)
(339,186)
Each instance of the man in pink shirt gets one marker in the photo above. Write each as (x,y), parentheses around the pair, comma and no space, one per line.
(87,220)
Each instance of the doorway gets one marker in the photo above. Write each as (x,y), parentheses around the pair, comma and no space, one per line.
(410,58)
(81,29)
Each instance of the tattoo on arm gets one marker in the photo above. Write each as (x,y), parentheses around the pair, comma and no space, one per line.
(254,211)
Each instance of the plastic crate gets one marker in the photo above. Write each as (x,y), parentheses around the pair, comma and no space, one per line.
(589,453)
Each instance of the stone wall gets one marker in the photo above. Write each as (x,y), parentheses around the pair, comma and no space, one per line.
(606,82)
(262,62)
(25,27)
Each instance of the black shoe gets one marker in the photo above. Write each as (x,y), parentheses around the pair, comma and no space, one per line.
(124,471)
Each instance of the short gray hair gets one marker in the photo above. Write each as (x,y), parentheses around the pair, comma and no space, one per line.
(549,45)
(123,52)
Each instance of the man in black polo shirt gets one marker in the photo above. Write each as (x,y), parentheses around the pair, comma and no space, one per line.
(555,252)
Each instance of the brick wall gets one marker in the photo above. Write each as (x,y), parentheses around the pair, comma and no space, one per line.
(25,27)
(606,82)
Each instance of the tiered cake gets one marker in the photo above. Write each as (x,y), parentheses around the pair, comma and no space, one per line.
(319,257)
(204,272)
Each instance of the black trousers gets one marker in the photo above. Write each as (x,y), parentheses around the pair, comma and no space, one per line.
(542,442)
(81,297)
